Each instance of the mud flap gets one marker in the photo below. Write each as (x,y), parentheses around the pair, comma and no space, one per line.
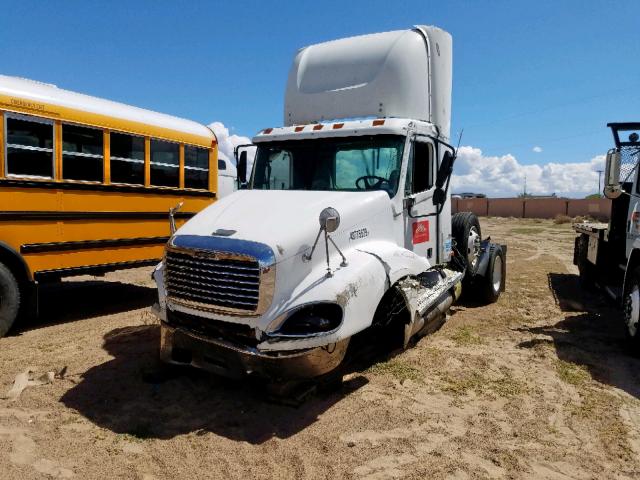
(486,247)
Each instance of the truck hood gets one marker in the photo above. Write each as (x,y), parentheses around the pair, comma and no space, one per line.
(287,221)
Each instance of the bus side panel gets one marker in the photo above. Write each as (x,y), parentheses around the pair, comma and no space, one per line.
(55,228)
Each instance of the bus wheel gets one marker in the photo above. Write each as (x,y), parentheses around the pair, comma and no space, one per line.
(9,299)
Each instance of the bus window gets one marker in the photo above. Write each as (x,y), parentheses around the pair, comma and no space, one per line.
(165,163)
(82,153)
(127,159)
(196,167)
(222,165)
(29,146)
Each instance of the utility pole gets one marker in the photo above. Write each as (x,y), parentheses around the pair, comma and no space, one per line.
(524,194)
(599,189)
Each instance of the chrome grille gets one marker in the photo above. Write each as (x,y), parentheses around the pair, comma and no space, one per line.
(202,279)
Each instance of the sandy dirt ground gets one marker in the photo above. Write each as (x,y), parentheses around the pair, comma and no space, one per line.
(540,385)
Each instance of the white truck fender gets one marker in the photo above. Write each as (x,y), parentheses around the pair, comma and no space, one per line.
(398,262)
(354,287)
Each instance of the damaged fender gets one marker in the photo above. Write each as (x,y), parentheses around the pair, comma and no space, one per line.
(373,267)
(398,262)
(428,292)
(351,287)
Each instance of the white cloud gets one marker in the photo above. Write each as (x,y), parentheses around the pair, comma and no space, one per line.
(227,142)
(537,149)
(503,176)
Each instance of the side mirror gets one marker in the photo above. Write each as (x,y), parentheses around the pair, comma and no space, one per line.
(612,187)
(329,219)
(408,203)
(444,172)
(172,217)
(240,153)
(242,168)
(446,167)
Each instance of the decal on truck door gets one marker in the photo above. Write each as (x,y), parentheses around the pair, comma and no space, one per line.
(420,232)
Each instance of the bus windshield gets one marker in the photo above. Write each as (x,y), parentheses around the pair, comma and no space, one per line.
(339,164)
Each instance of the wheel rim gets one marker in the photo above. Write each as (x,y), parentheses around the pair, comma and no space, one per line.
(473,247)
(631,310)
(496,277)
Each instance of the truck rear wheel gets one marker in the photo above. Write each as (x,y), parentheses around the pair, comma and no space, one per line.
(492,283)
(632,307)
(9,299)
(465,228)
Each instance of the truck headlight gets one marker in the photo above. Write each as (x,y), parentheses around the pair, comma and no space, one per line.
(311,319)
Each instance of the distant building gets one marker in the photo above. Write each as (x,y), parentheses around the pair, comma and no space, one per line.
(468,195)
(529,196)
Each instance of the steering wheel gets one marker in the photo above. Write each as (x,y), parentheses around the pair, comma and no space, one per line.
(369,184)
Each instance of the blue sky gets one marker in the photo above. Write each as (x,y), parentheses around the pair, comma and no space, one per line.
(526,74)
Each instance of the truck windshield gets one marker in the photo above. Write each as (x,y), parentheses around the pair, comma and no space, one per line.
(340,164)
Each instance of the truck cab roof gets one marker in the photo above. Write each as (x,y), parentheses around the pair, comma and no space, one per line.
(350,128)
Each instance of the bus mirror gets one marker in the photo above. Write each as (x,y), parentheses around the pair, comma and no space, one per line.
(242,168)
(612,187)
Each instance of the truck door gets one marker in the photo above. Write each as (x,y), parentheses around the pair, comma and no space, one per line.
(419,221)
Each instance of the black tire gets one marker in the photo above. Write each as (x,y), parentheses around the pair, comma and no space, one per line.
(9,299)
(463,225)
(632,308)
(491,285)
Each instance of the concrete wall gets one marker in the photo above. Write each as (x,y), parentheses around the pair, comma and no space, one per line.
(479,206)
(545,208)
(599,208)
(506,207)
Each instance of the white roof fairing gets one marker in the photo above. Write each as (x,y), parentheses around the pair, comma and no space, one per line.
(401,74)
(31,90)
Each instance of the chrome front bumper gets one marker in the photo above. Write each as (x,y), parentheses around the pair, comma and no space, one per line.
(181,347)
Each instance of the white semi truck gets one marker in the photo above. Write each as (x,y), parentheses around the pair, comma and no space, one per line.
(608,255)
(345,229)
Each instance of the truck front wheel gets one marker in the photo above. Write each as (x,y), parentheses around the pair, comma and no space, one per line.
(632,307)
(9,299)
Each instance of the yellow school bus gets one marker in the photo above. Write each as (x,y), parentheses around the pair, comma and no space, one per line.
(86,185)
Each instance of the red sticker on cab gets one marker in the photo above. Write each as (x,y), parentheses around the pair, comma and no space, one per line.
(420,232)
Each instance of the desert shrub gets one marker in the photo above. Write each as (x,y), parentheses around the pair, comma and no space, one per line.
(560,218)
